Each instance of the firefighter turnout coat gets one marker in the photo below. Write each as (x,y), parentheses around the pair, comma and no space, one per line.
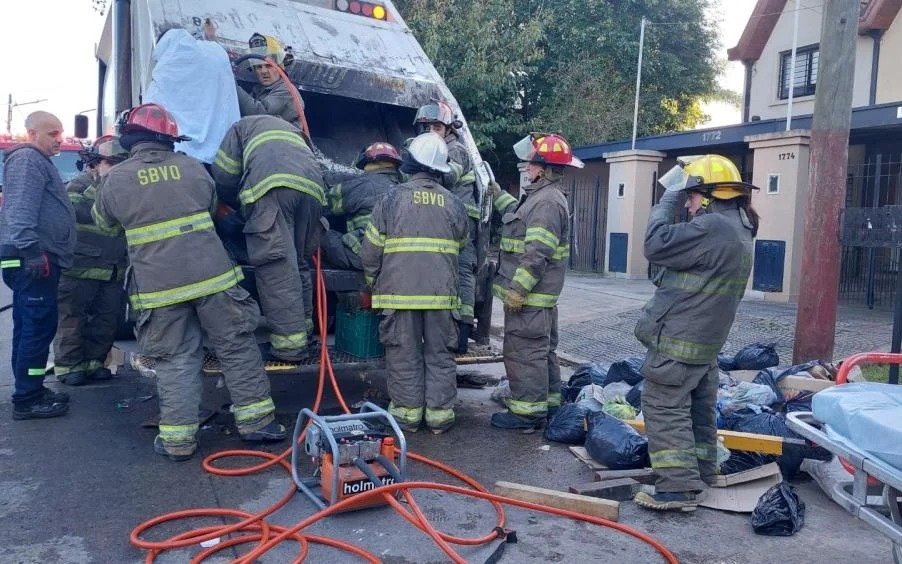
(355,198)
(274,100)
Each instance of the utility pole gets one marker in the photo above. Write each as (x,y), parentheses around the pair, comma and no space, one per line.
(638,80)
(9,110)
(816,321)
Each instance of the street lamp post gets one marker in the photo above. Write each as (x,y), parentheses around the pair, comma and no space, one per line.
(9,110)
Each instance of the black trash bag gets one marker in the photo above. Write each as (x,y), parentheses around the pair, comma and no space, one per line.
(615,444)
(750,357)
(568,425)
(628,370)
(585,374)
(772,376)
(766,423)
(634,396)
(801,402)
(779,513)
(741,460)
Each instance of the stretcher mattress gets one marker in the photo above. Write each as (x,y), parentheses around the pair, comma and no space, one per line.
(866,416)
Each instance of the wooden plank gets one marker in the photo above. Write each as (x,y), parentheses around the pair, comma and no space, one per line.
(581,453)
(644,475)
(621,489)
(604,508)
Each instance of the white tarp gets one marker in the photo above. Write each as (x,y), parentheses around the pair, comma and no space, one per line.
(867,415)
(193,80)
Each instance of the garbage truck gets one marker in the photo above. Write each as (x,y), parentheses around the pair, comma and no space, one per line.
(362,76)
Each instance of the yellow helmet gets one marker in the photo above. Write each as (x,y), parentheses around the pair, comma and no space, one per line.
(713,175)
(266,46)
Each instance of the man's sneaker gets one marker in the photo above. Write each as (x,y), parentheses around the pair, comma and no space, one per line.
(100,374)
(668,501)
(272,433)
(507,420)
(40,409)
(54,397)
(179,454)
(74,378)
(292,355)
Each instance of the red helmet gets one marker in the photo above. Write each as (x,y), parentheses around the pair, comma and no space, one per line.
(546,149)
(379,151)
(150,117)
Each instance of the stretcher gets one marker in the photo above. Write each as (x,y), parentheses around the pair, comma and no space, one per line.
(874,494)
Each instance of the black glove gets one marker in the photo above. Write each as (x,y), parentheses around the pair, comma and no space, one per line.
(38,266)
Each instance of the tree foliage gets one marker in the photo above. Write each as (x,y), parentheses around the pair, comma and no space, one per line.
(569,66)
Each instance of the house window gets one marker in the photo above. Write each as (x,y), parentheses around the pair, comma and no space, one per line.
(773,183)
(805,78)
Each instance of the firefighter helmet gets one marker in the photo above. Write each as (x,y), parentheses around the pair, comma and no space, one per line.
(712,175)
(151,118)
(437,111)
(266,46)
(430,151)
(106,148)
(546,149)
(377,152)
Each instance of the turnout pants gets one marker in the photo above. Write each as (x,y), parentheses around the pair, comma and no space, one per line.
(173,335)
(678,404)
(530,360)
(34,324)
(90,312)
(422,375)
(466,265)
(282,233)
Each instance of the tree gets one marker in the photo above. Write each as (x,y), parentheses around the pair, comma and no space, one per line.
(569,66)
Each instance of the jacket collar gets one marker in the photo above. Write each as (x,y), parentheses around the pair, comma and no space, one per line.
(148,146)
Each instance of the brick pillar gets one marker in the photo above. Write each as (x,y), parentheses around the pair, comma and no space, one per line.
(780,170)
(630,189)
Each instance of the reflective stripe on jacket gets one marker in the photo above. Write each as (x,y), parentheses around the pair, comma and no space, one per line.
(707,265)
(411,248)
(99,254)
(462,178)
(260,153)
(535,244)
(164,201)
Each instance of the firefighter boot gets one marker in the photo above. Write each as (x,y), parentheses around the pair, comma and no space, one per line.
(274,432)
(507,420)
(100,374)
(292,355)
(178,453)
(668,501)
(40,409)
(74,378)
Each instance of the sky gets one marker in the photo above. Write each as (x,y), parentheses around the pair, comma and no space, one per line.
(50,45)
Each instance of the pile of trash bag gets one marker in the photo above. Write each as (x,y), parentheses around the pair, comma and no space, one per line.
(750,357)
(585,374)
(779,513)
(568,425)
(615,444)
(628,370)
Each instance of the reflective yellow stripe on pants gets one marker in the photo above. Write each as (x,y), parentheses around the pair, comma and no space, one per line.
(406,415)
(439,418)
(673,458)
(527,408)
(178,434)
(253,412)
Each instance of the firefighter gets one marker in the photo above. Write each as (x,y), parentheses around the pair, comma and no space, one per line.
(706,263)
(410,256)
(280,190)
(182,283)
(439,118)
(272,96)
(91,298)
(535,245)
(354,200)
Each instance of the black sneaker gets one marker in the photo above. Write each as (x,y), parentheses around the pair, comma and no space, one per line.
(100,374)
(54,397)
(40,409)
(76,378)
(274,432)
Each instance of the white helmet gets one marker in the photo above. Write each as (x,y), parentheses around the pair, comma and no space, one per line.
(429,150)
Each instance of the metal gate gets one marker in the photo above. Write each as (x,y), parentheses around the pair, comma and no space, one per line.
(589,211)
(870,264)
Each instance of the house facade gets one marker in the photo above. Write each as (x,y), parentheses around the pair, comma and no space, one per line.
(612,196)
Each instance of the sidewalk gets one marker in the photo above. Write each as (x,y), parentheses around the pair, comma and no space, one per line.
(597,315)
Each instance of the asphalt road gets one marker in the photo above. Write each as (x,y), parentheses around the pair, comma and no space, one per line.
(72,489)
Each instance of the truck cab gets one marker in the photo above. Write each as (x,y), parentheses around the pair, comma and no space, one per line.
(359,68)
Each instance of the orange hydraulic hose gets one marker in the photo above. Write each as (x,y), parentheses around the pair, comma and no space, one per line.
(257,530)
